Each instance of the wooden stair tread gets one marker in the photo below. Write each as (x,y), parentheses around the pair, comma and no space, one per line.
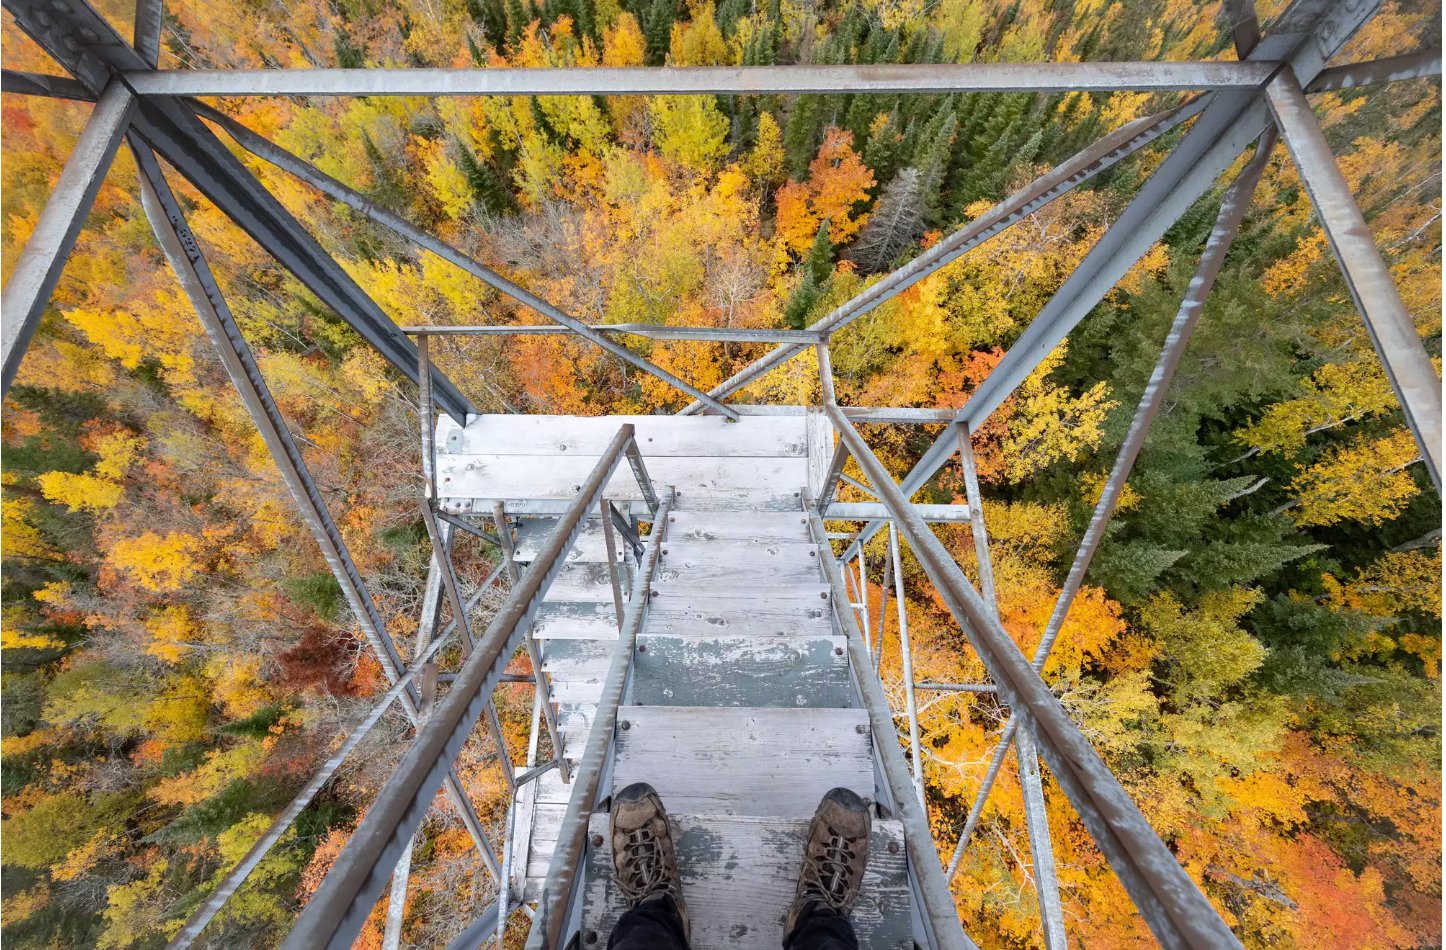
(744,761)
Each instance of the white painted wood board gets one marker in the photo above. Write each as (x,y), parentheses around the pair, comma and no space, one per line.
(739,877)
(798,612)
(533,535)
(659,436)
(790,560)
(582,582)
(747,528)
(546,824)
(761,762)
(820,436)
(576,621)
(536,476)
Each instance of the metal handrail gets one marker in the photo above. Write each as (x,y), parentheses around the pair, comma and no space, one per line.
(938,909)
(558,886)
(1171,902)
(339,908)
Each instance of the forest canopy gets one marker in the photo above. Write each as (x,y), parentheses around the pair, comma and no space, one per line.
(1256,650)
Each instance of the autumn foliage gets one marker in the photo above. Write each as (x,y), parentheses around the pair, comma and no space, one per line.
(1256,650)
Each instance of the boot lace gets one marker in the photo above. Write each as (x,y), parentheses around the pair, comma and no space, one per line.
(643,863)
(827,877)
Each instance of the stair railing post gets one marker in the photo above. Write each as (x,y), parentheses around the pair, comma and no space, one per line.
(534,652)
(605,513)
(908,663)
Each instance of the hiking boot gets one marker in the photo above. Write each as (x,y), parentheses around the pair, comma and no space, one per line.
(834,857)
(647,867)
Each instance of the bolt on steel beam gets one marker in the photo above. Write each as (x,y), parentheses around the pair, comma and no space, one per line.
(27,292)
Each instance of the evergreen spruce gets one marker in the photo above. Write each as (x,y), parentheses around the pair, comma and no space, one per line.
(487,190)
(820,256)
(658,30)
(800,137)
(800,302)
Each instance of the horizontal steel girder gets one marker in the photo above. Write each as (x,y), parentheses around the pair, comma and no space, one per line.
(700,80)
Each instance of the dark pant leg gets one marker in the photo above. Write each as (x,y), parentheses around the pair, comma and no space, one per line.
(652,925)
(821,928)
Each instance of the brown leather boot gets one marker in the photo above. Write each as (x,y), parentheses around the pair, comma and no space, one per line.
(834,857)
(643,856)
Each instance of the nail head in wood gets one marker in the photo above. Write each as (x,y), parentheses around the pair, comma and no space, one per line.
(893,847)
(597,841)
(625,725)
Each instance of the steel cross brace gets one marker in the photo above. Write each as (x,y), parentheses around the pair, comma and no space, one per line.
(1171,903)
(318,179)
(1307,34)
(211,308)
(1105,153)
(1232,213)
(82,41)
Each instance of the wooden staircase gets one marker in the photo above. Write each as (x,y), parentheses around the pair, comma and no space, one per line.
(741,710)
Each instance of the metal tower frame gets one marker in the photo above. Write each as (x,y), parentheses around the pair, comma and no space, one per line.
(1254,101)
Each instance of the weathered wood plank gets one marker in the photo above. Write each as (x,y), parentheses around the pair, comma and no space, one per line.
(581,583)
(798,612)
(789,558)
(546,825)
(534,533)
(762,762)
(660,436)
(748,528)
(820,437)
(577,660)
(761,569)
(574,721)
(741,671)
(536,476)
(739,876)
(575,621)
(741,500)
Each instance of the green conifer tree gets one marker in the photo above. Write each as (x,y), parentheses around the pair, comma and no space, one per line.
(820,256)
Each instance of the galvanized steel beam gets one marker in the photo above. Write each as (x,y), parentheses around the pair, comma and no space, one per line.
(200,287)
(1391,69)
(40,84)
(82,41)
(705,80)
(150,14)
(1307,34)
(567,854)
(27,292)
(650,331)
(339,908)
(938,904)
(1389,323)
